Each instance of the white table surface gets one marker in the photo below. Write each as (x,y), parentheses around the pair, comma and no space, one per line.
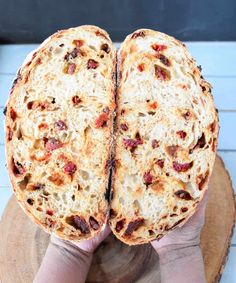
(218,61)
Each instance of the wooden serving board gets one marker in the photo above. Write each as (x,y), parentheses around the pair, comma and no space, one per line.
(23,244)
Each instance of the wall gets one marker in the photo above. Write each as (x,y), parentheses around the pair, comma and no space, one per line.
(24,21)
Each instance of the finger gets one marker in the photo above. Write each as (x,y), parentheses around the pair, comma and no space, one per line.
(105,232)
(202,205)
(199,216)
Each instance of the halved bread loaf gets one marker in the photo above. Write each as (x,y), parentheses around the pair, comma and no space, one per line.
(166,137)
(59,123)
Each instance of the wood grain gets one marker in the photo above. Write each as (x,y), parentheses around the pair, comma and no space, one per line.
(23,244)
(219,222)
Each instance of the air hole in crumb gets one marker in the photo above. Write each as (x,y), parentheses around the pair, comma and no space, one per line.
(136,205)
(73,197)
(151,232)
(140,114)
(84,175)
(173,215)
(87,188)
(30,201)
(121,200)
(45,193)
(19,134)
(22,184)
(64,198)
(26,97)
(93,47)
(151,113)
(64,136)
(56,197)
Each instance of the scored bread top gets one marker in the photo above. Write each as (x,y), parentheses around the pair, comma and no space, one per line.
(59,122)
(166,137)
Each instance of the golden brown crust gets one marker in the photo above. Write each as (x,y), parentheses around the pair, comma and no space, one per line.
(166,134)
(166,137)
(57,158)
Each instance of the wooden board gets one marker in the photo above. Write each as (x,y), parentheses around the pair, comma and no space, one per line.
(23,244)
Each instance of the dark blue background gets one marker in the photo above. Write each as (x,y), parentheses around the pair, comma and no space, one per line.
(24,21)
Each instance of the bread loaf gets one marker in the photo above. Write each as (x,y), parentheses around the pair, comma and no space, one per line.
(59,135)
(166,137)
(59,123)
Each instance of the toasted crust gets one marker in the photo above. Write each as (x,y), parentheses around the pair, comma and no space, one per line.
(166,137)
(59,132)
(59,124)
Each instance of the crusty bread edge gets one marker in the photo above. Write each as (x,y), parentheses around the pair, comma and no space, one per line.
(15,83)
(205,187)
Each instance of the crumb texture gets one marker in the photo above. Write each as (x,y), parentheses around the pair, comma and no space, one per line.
(59,125)
(166,137)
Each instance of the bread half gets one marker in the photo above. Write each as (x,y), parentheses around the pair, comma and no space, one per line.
(166,137)
(59,123)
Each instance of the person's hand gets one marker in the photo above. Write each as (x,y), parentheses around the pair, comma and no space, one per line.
(86,245)
(181,248)
(91,244)
(68,261)
(189,234)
